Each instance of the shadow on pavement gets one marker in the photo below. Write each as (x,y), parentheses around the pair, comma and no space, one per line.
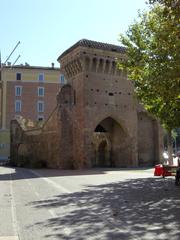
(26,173)
(144,208)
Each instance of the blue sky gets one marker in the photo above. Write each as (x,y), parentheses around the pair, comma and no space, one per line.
(47,28)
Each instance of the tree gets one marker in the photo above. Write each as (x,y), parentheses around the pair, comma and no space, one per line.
(153,56)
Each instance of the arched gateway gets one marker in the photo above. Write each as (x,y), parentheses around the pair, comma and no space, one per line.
(110,144)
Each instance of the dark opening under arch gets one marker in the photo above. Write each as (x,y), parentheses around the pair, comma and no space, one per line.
(99,128)
(110,140)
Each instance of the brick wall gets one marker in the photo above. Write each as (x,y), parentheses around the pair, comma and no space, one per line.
(96,94)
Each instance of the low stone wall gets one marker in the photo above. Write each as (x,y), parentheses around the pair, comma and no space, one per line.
(50,145)
(35,147)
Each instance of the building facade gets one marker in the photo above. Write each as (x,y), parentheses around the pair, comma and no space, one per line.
(98,121)
(28,92)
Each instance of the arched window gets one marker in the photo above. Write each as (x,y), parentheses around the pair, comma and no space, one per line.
(94,64)
(107,66)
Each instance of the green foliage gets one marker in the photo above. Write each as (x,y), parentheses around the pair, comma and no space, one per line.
(153,57)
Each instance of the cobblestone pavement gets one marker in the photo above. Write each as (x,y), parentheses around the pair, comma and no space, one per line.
(90,204)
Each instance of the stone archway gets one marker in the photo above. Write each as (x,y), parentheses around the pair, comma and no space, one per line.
(102,148)
(111,144)
(103,155)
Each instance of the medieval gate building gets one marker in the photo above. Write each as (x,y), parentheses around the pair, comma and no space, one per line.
(97,121)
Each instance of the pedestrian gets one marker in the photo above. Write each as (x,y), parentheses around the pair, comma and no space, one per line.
(177,178)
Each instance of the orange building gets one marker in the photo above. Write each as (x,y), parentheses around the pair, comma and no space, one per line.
(27,91)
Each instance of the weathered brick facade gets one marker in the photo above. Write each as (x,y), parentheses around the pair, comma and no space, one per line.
(97,121)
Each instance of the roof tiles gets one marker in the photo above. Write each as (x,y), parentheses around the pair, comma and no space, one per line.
(94,44)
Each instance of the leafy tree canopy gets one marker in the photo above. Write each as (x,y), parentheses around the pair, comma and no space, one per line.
(153,60)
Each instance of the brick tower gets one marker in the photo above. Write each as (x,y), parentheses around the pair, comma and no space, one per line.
(103,113)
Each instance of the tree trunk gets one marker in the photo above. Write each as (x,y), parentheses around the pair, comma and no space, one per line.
(170,146)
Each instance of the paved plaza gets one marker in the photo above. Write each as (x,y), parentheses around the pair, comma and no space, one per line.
(106,204)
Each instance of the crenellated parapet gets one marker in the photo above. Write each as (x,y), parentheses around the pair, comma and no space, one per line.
(90,63)
(101,64)
(91,56)
(72,68)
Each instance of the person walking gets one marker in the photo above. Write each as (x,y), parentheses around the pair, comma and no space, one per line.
(177,178)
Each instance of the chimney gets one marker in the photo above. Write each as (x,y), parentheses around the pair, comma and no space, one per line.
(52,65)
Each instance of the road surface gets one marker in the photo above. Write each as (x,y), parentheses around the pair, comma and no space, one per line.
(97,204)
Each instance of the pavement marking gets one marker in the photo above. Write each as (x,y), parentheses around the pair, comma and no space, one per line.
(37,194)
(30,184)
(65,190)
(13,210)
(108,222)
(52,213)
(9,238)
